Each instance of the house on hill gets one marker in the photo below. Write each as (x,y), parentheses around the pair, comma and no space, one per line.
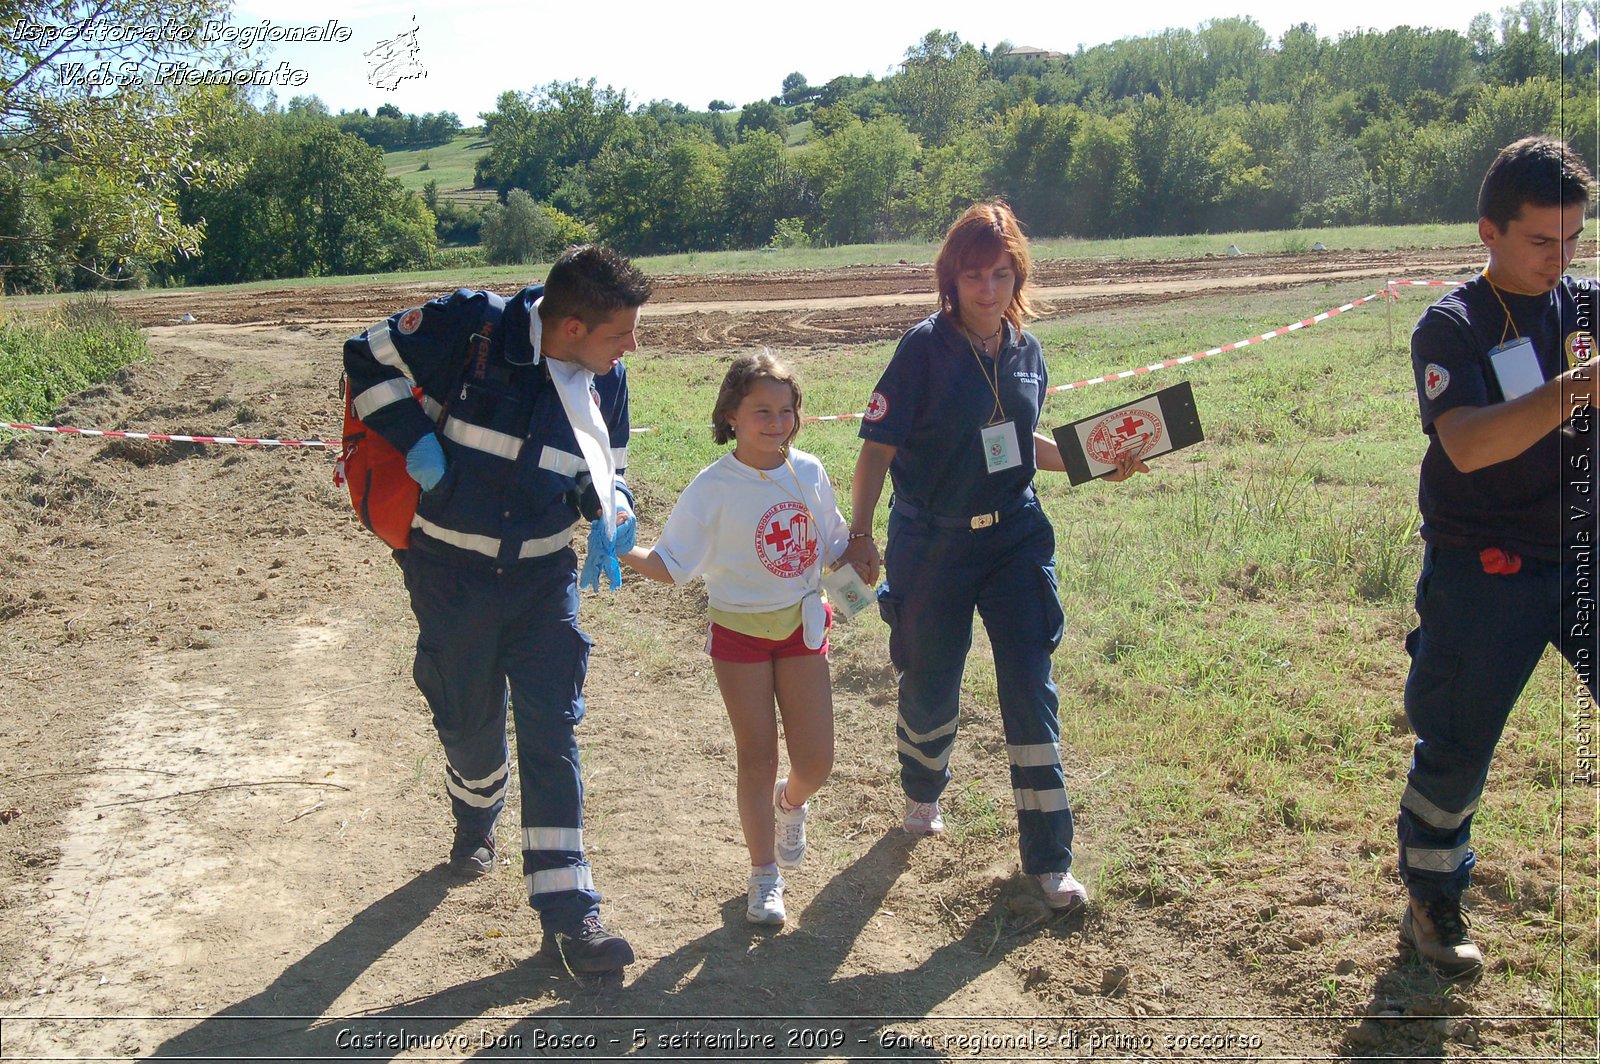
(1029,52)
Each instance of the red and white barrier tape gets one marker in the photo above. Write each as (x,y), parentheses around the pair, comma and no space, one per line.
(1123,375)
(1263,338)
(169,437)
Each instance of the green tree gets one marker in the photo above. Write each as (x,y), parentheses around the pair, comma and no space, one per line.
(865,168)
(1533,39)
(1100,177)
(517,231)
(311,201)
(117,142)
(537,139)
(1171,144)
(26,252)
(1031,152)
(762,115)
(759,187)
(938,86)
(795,89)
(954,177)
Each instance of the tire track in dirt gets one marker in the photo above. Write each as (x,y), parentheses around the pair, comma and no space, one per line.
(149,887)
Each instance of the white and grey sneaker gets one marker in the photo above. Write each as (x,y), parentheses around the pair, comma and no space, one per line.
(1063,891)
(923,818)
(789,835)
(765,898)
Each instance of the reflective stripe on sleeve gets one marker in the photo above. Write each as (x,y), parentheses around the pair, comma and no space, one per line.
(1034,755)
(382,346)
(565,463)
(481,439)
(1050,801)
(552,880)
(432,407)
(553,839)
(381,395)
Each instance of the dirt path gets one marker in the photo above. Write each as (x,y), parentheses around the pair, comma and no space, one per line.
(228,821)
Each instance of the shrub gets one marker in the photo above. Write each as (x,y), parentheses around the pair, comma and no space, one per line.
(43,362)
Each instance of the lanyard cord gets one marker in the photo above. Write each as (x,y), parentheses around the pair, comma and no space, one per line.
(998,414)
(1509,323)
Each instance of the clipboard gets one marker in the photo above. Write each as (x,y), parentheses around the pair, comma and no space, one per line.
(1148,426)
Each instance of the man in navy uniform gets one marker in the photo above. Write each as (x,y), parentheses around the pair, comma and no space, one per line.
(522,433)
(1506,386)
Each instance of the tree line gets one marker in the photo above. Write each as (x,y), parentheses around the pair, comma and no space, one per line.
(1211,129)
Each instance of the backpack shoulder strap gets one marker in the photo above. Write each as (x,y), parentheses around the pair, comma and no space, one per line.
(478,348)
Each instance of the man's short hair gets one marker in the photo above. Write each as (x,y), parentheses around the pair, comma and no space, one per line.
(592,282)
(1540,170)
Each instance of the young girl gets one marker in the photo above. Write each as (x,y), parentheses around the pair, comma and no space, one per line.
(759,525)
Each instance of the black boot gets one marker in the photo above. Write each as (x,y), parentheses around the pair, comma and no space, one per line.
(589,949)
(472,855)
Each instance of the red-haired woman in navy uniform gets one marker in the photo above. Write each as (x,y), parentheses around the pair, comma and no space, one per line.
(954,422)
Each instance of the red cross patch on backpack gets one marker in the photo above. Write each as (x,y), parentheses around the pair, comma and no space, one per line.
(382,492)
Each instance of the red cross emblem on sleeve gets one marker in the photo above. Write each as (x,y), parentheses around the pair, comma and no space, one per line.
(1435,379)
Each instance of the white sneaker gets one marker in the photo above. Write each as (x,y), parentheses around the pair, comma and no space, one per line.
(923,818)
(789,830)
(1063,891)
(765,904)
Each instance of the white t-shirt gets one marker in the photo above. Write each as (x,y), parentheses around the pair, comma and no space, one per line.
(753,534)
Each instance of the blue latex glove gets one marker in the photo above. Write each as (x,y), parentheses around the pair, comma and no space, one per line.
(602,557)
(425,462)
(627,526)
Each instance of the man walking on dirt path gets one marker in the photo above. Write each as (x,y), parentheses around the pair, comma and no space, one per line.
(522,432)
(1506,381)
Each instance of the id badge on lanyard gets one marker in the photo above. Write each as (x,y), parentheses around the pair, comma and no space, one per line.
(1000,449)
(1516,367)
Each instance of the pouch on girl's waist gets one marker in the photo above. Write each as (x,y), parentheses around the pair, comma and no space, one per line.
(813,620)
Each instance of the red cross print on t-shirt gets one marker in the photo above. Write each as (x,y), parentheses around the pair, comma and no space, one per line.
(785,541)
(1432,379)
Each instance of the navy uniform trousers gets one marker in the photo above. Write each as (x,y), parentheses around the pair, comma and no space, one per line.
(934,578)
(481,629)
(1480,637)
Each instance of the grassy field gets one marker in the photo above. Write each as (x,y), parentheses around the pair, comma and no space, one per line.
(449,164)
(1370,238)
(1234,662)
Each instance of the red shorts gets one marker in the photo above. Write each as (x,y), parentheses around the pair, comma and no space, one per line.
(725,644)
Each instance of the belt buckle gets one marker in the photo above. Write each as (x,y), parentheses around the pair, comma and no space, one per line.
(984,521)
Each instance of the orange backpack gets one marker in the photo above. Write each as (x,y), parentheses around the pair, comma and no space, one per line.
(382,492)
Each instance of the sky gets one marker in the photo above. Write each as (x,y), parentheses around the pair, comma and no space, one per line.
(695,52)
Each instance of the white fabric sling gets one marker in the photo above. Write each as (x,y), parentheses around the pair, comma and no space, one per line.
(575,385)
